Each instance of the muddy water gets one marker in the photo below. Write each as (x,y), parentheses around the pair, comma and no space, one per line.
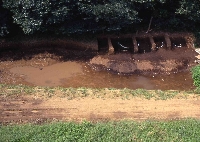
(75,74)
(50,75)
(178,81)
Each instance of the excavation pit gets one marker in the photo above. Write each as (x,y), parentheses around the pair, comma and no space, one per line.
(122,44)
(103,45)
(178,42)
(144,44)
(160,42)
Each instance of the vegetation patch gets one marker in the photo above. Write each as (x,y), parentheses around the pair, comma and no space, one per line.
(122,131)
(196,77)
(71,93)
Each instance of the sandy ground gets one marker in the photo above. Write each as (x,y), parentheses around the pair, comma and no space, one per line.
(37,110)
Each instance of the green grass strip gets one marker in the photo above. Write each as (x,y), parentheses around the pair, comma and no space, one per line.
(121,131)
(71,93)
(196,76)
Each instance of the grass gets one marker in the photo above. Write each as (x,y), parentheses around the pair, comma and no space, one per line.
(71,93)
(196,77)
(121,131)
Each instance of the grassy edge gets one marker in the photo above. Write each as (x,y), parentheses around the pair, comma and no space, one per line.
(112,131)
(71,93)
(196,77)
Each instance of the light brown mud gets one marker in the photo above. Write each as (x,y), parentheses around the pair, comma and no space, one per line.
(37,110)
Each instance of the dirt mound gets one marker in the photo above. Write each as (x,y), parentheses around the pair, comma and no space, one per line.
(161,61)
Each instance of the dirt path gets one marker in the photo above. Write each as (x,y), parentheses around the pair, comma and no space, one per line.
(37,110)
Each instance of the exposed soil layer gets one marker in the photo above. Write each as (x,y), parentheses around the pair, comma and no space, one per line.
(37,110)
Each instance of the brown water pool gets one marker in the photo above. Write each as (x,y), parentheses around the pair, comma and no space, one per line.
(78,74)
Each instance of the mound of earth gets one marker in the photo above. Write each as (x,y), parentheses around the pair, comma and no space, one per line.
(161,61)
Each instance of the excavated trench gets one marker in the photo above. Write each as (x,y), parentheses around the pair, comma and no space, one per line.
(159,61)
(151,65)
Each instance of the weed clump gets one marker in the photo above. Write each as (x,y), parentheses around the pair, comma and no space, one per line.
(196,77)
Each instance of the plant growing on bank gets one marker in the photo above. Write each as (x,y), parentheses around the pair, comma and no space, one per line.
(196,77)
(71,93)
